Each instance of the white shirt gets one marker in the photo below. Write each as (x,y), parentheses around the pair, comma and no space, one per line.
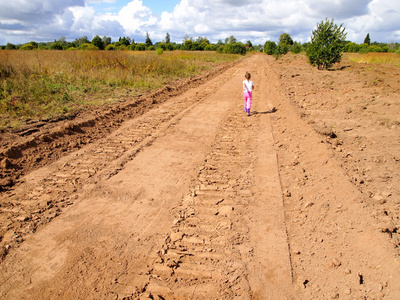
(248,85)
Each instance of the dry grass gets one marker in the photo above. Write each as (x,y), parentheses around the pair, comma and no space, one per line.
(375,58)
(40,85)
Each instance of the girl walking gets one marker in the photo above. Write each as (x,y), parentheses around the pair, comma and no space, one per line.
(248,87)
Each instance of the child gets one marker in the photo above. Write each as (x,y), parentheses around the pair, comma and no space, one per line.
(248,87)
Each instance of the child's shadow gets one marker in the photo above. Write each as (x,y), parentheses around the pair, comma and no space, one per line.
(273,110)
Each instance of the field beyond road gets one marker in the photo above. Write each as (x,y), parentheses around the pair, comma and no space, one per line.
(179,194)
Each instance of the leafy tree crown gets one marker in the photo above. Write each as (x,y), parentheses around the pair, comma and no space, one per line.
(326,46)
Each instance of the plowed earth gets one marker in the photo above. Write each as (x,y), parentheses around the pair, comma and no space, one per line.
(180,195)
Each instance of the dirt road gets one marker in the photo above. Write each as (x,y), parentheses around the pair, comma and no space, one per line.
(195,200)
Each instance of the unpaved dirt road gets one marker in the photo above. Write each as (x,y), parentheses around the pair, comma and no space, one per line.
(192,199)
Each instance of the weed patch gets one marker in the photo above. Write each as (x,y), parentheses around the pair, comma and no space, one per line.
(39,85)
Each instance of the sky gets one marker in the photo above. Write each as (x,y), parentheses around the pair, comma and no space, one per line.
(22,21)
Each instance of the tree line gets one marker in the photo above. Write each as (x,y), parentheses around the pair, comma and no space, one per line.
(230,45)
(325,49)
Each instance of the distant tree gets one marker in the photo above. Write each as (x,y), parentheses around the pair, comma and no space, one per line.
(282,49)
(98,42)
(285,38)
(27,46)
(296,47)
(88,46)
(148,41)
(125,41)
(167,38)
(351,47)
(82,40)
(270,47)
(10,46)
(188,43)
(219,43)
(62,41)
(140,47)
(230,40)
(210,48)
(327,42)
(249,45)
(34,44)
(367,40)
(236,48)
(56,46)
(106,41)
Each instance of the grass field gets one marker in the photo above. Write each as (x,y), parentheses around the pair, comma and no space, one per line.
(41,85)
(375,58)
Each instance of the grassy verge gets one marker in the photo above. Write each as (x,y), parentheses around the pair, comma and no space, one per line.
(375,58)
(41,85)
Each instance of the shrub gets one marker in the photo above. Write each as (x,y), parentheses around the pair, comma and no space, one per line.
(10,46)
(159,51)
(55,46)
(140,47)
(111,47)
(270,47)
(351,47)
(210,48)
(28,46)
(87,46)
(326,44)
(282,48)
(122,47)
(296,47)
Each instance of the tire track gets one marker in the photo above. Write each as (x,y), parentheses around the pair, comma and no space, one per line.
(229,238)
(44,193)
(204,250)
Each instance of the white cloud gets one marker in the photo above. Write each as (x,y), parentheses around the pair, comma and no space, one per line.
(255,20)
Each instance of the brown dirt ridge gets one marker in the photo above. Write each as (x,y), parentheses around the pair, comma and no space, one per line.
(181,195)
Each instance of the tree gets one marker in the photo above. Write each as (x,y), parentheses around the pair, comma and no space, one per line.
(55,46)
(296,47)
(351,47)
(126,41)
(367,40)
(230,40)
(327,42)
(106,41)
(10,46)
(167,38)
(148,41)
(98,42)
(82,40)
(285,38)
(270,47)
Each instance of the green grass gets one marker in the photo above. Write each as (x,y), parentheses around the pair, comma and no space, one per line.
(41,85)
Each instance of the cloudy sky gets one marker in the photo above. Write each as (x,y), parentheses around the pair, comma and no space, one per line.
(22,21)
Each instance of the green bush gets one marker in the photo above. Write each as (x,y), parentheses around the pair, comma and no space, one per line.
(28,46)
(159,51)
(87,46)
(296,47)
(111,47)
(140,47)
(282,49)
(270,47)
(56,46)
(326,44)
(351,47)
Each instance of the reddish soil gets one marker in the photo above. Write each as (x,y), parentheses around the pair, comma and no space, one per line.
(180,195)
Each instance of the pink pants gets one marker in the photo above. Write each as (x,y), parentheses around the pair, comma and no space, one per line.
(247,99)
